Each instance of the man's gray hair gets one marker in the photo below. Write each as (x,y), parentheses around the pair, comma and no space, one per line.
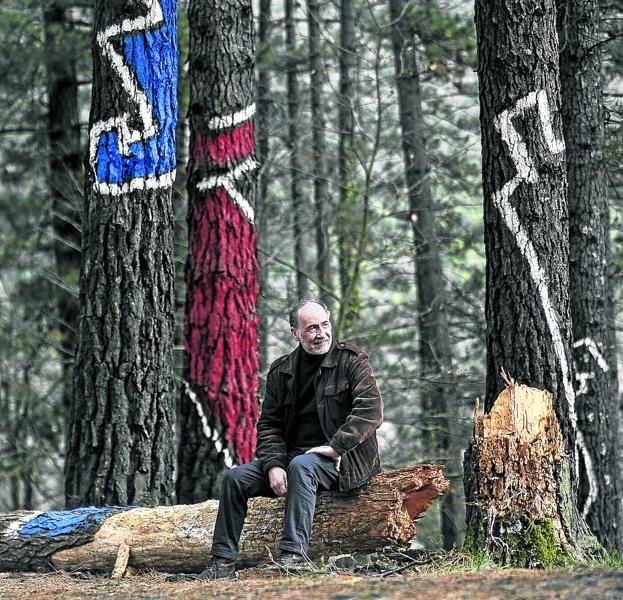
(294,311)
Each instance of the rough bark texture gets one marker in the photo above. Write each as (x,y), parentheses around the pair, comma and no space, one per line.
(321,186)
(178,538)
(294,149)
(516,451)
(121,446)
(591,301)
(526,235)
(65,176)
(220,327)
(434,344)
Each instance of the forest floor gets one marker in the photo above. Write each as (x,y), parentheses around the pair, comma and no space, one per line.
(483,584)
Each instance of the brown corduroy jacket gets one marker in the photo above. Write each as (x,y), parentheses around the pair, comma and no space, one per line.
(349,405)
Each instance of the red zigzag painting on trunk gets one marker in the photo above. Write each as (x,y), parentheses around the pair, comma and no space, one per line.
(220,330)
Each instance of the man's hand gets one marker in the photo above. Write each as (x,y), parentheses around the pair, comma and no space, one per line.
(328,452)
(278,481)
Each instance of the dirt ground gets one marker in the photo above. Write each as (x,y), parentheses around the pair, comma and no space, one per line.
(485,585)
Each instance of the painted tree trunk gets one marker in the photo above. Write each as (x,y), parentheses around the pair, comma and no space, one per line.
(321,184)
(439,431)
(263,150)
(220,406)
(526,243)
(592,313)
(294,150)
(121,446)
(65,177)
(178,538)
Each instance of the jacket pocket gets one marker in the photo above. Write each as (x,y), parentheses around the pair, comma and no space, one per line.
(339,401)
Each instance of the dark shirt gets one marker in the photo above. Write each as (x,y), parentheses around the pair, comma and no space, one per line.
(306,430)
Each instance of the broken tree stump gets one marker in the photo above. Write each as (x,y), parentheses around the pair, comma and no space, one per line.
(513,466)
(178,538)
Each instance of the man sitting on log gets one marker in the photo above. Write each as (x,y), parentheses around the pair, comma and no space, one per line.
(316,431)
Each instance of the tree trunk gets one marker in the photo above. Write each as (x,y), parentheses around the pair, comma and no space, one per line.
(526,244)
(321,185)
(294,149)
(220,327)
(263,150)
(592,314)
(434,349)
(121,446)
(178,538)
(65,177)
(348,208)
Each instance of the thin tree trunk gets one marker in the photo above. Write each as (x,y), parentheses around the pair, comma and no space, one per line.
(220,328)
(65,177)
(294,149)
(348,208)
(321,187)
(592,315)
(526,244)
(434,348)
(263,152)
(121,448)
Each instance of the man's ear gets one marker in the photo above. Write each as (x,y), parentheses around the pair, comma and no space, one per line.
(295,335)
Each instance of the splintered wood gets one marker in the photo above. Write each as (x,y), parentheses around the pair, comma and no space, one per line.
(516,448)
(178,538)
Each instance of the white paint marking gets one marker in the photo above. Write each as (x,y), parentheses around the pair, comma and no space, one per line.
(210,433)
(139,183)
(590,474)
(594,351)
(583,379)
(527,172)
(233,119)
(228,180)
(12,531)
(125,134)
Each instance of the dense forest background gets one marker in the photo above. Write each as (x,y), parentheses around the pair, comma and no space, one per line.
(371,283)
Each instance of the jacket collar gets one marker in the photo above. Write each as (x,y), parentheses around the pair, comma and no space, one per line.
(329,360)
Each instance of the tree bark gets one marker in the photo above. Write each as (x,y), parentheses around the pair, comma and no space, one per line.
(65,176)
(434,345)
(526,237)
(121,446)
(592,315)
(321,185)
(220,330)
(178,538)
(294,149)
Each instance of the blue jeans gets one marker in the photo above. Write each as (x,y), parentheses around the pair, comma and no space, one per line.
(307,473)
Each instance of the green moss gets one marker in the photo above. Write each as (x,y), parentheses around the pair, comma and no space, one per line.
(516,542)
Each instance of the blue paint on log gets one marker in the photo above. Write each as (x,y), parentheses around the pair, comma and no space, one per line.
(53,523)
(153,58)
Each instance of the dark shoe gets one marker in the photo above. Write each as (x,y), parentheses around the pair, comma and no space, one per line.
(289,561)
(218,568)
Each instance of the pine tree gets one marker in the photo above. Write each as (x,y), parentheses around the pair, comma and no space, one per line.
(220,329)
(121,448)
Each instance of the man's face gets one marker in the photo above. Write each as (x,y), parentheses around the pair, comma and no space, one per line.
(314,329)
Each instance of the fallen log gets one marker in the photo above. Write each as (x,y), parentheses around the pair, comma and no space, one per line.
(178,538)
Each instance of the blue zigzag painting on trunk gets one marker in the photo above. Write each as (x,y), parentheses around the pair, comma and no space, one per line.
(136,150)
